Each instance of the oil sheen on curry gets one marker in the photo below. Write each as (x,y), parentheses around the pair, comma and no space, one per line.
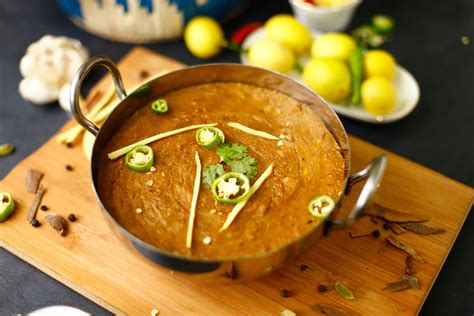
(270,171)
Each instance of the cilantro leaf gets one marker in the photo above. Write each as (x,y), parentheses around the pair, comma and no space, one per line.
(228,152)
(211,173)
(247,166)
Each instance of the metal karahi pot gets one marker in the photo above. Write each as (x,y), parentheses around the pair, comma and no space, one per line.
(239,268)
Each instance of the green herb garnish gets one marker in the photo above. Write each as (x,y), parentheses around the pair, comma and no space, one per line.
(211,173)
(247,166)
(344,291)
(228,152)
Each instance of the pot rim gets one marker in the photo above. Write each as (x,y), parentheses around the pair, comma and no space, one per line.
(135,239)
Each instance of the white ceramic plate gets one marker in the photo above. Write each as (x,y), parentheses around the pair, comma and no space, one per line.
(58,311)
(408,91)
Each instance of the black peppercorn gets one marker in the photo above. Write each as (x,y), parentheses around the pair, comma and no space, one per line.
(285,293)
(69,168)
(44,208)
(322,288)
(69,145)
(71,217)
(386,226)
(303,267)
(376,233)
(309,221)
(35,223)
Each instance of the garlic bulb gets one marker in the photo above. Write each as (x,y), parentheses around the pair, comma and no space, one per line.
(48,65)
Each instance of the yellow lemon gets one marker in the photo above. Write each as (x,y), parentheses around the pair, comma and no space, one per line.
(270,54)
(203,37)
(379,63)
(331,3)
(333,45)
(330,78)
(285,29)
(378,95)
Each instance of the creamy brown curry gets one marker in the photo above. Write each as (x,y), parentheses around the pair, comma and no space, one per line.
(308,163)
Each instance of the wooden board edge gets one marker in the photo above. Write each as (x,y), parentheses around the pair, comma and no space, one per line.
(60,278)
(462,185)
(444,259)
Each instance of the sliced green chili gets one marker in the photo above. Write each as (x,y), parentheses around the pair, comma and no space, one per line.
(209,137)
(7,206)
(321,206)
(140,158)
(160,106)
(231,188)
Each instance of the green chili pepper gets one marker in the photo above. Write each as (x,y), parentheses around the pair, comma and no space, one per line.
(140,158)
(231,188)
(321,206)
(383,24)
(140,91)
(209,137)
(7,206)
(356,60)
(160,106)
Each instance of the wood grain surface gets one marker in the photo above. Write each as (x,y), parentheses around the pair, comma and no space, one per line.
(92,261)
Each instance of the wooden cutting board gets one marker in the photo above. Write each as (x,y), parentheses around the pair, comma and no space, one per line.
(91,260)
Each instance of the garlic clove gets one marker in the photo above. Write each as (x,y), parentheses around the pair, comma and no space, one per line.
(37,91)
(63,99)
(27,65)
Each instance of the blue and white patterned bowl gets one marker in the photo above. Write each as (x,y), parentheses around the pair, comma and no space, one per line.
(144,21)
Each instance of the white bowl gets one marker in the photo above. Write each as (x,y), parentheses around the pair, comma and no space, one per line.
(408,91)
(324,19)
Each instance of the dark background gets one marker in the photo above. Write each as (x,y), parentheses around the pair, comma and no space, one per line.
(438,134)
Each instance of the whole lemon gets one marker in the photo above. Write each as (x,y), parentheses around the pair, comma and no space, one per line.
(378,95)
(333,45)
(329,77)
(270,54)
(285,29)
(332,3)
(379,63)
(203,37)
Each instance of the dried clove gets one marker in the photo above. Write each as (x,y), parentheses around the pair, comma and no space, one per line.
(285,293)
(304,267)
(409,265)
(412,280)
(360,232)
